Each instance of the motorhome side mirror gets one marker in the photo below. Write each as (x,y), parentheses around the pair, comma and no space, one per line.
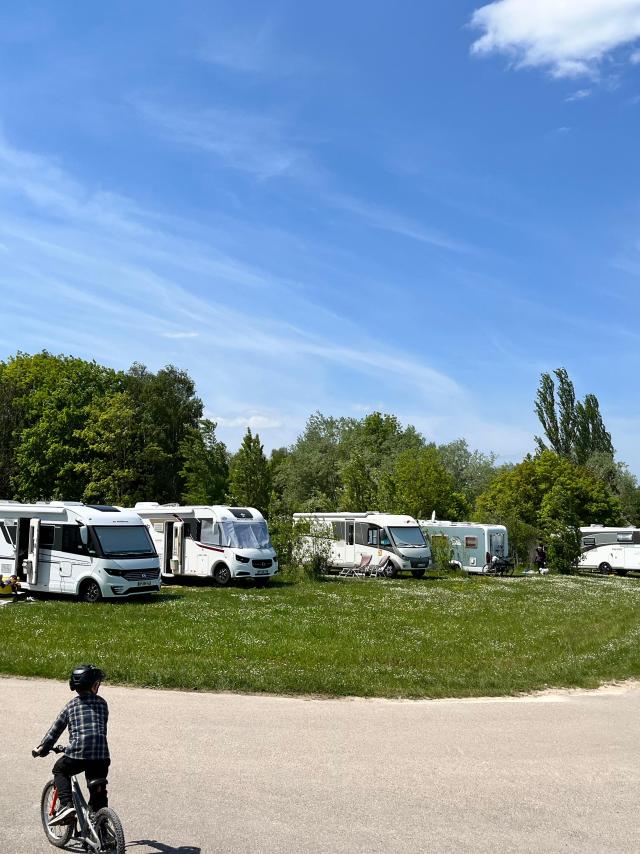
(84,535)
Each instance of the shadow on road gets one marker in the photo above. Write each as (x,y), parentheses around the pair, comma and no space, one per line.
(161,848)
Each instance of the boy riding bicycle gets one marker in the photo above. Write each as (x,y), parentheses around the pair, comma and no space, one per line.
(86,716)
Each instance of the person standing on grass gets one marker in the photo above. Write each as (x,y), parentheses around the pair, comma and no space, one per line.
(86,716)
(540,557)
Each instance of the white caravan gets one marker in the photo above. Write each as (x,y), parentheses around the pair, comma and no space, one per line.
(473,546)
(378,535)
(610,549)
(215,541)
(93,552)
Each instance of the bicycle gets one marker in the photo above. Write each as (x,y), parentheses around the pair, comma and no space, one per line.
(499,566)
(100,832)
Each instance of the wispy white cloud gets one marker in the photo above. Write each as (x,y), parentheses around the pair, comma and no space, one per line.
(179,335)
(254,421)
(266,148)
(250,50)
(569,38)
(258,144)
(578,95)
(384,219)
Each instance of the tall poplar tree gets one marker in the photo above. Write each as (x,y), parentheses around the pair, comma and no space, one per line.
(250,475)
(573,429)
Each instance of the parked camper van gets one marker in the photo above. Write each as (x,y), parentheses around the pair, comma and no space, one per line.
(93,552)
(215,541)
(610,549)
(473,546)
(376,534)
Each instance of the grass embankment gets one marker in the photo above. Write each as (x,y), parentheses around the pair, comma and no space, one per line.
(428,638)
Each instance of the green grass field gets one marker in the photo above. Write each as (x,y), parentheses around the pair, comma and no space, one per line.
(404,638)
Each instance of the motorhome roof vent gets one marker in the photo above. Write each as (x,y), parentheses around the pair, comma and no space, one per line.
(104,508)
(241,512)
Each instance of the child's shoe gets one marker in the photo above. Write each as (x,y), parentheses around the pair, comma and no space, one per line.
(65,816)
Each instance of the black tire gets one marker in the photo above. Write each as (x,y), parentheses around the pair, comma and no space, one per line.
(604,568)
(90,591)
(59,834)
(222,575)
(390,570)
(418,573)
(109,831)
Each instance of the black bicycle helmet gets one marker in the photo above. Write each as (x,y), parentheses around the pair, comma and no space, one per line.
(83,677)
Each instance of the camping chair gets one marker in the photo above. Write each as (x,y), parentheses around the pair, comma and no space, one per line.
(359,570)
(379,568)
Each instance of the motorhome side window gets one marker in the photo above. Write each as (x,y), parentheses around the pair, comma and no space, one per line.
(588,541)
(361,533)
(71,541)
(627,537)
(471,542)
(372,536)
(10,533)
(191,529)
(210,532)
(46,536)
(349,538)
(384,540)
(338,530)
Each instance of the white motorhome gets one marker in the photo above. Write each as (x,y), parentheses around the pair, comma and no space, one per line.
(215,541)
(608,550)
(473,546)
(378,535)
(92,552)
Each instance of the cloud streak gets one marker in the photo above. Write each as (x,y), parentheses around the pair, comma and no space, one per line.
(97,269)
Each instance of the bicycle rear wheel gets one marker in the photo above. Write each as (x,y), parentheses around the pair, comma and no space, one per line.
(59,834)
(109,831)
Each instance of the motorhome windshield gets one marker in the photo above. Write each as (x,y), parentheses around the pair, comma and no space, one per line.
(408,537)
(121,541)
(237,535)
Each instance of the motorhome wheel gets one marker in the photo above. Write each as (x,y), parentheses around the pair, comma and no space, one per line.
(222,574)
(90,591)
(390,570)
(604,568)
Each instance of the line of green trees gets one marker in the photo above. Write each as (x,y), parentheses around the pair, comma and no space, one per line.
(78,430)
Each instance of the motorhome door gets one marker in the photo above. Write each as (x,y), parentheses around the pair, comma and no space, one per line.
(350,544)
(177,554)
(22,547)
(167,546)
(33,551)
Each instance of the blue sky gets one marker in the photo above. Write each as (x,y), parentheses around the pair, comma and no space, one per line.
(340,207)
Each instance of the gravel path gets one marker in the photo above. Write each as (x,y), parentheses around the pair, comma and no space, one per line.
(209,773)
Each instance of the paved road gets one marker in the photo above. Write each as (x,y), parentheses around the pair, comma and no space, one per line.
(209,773)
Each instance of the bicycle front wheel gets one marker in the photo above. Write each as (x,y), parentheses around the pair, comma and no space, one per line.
(59,834)
(109,831)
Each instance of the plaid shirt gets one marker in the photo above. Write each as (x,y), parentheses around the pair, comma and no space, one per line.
(86,716)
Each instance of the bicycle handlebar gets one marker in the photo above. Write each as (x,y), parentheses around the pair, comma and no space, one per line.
(57,749)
